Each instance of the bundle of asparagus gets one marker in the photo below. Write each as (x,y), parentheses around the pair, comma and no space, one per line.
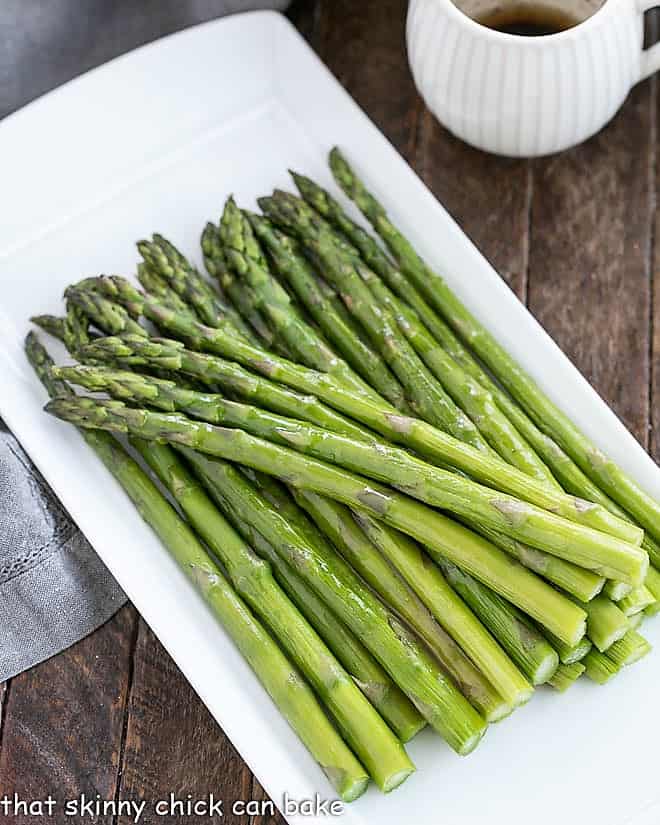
(386,513)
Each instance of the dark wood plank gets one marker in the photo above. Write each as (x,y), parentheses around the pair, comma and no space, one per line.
(172,743)
(266,817)
(364,46)
(592,214)
(304,14)
(64,719)
(488,196)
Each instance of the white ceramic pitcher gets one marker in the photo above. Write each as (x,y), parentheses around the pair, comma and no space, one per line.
(526,96)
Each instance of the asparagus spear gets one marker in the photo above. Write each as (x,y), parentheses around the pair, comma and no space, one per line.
(395,708)
(397,572)
(522,641)
(652,583)
(108,316)
(606,624)
(374,682)
(450,610)
(52,324)
(564,468)
(439,534)
(397,650)
(230,376)
(569,654)
(629,649)
(565,676)
(186,281)
(244,256)
(616,590)
(365,731)
(426,396)
(362,555)
(474,399)
(153,282)
(408,431)
(578,582)
(599,668)
(297,272)
(591,460)
(288,690)
(636,601)
(539,528)
(217,266)
(575,580)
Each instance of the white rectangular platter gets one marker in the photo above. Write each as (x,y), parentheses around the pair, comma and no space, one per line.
(155,141)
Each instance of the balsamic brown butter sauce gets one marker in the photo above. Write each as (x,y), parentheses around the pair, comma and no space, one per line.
(528,21)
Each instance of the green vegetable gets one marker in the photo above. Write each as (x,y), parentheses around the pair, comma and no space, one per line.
(565,676)
(522,641)
(629,649)
(288,690)
(547,416)
(544,530)
(369,737)
(439,534)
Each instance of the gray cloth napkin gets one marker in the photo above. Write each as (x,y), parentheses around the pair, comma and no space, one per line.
(53,587)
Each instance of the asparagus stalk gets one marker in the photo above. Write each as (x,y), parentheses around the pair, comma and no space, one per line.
(108,316)
(371,679)
(369,737)
(153,282)
(578,582)
(606,624)
(438,533)
(522,641)
(652,582)
(397,650)
(572,479)
(450,610)
(244,256)
(616,590)
(292,267)
(395,708)
(383,462)
(599,668)
(565,676)
(426,396)
(591,460)
(409,431)
(165,259)
(397,572)
(629,649)
(144,353)
(288,690)
(364,558)
(154,353)
(217,266)
(569,654)
(52,324)
(636,601)
(475,400)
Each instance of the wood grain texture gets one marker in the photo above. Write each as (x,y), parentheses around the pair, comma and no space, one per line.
(64,718)
(592,214)
(172,744)
(364,46)
(488,196)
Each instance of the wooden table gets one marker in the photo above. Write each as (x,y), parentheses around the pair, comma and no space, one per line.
(576,237)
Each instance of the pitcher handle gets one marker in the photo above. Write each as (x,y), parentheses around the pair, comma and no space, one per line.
(650,62)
